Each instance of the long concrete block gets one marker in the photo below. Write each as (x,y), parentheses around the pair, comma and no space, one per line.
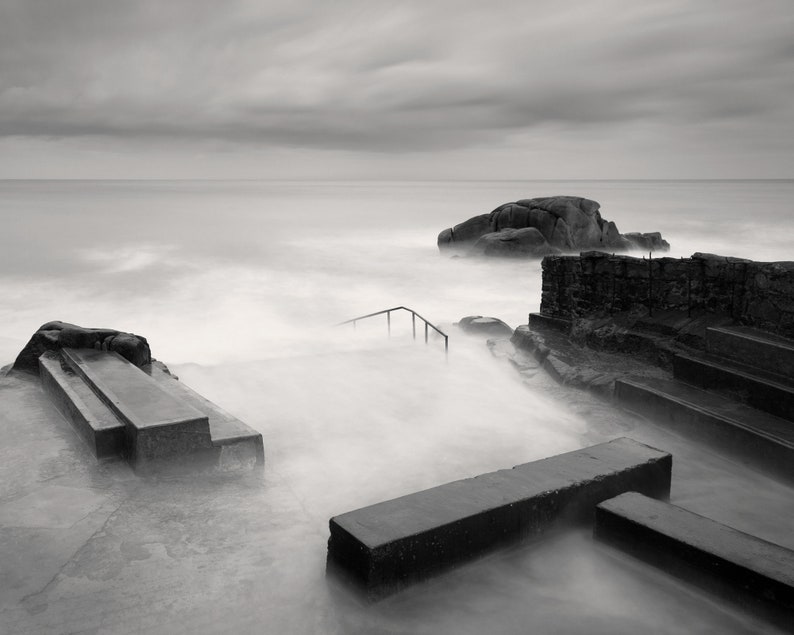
(385,546)
(743,568)
(158,424)
(101,430)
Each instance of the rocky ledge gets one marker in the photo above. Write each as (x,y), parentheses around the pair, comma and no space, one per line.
(54,336)
(538,227)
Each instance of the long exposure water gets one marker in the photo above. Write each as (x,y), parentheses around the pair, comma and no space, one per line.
(237,286)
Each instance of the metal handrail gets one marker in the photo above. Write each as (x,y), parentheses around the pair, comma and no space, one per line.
(414,315)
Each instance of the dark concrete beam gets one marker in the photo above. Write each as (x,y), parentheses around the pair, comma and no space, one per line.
(743,568)
(385,546)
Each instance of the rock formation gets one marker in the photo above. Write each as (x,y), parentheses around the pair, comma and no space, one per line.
(485,326)
(53,336)
(537,227)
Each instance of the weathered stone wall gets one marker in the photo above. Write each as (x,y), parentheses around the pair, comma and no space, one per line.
(758,294)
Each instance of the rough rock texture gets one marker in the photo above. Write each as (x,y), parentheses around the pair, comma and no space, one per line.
(514,243)
(561,223)
(485,326)
(53,336)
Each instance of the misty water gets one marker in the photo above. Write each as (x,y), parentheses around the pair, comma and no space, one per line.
(238,286)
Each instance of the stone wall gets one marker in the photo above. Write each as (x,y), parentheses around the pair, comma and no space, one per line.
(758,294)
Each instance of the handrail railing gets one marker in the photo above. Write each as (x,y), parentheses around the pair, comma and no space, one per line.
(414,315)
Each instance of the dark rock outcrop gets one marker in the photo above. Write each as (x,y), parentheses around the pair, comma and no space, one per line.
(53,336)
(558,223)
(485,326)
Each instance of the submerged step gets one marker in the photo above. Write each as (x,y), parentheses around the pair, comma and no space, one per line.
(96,424)
(752,347)
(756,573)
(762,392)
(765,440)
(385,546)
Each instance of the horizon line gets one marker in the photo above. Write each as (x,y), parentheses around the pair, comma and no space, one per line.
(390,180)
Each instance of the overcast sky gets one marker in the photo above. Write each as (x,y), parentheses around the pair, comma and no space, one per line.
(418,89)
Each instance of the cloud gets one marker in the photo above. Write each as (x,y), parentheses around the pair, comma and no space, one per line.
(387,77)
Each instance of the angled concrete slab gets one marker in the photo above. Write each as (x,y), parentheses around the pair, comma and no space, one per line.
(132,394)
(383,547)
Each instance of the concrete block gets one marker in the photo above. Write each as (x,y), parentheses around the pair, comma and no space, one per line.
(101,430)
(383,547)
(743,568)
(157,423)
(238,445)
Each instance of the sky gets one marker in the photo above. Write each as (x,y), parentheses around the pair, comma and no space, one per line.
(428,89)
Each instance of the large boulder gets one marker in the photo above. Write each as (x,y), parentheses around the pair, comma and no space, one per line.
(53,336)
(564,223)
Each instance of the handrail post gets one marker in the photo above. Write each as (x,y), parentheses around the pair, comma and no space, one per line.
(414,315)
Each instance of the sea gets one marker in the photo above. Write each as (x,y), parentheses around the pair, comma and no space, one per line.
(240,287)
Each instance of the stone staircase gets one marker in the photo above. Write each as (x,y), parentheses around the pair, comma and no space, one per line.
(144,415)
(738,395)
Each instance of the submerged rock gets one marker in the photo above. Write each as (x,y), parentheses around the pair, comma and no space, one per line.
(54,336)
(539,226)
(485,326)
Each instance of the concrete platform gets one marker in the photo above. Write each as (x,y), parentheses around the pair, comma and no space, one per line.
(757,388)
(746,433)
(752,347)
(149,417)
(756,573)
(386,546)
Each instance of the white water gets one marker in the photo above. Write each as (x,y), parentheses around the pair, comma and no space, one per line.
(237,285)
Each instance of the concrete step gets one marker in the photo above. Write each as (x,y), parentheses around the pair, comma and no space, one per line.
(147,416)
(757,388)
(238,443)
(96,424)
(751,347)
(383,547)
(157,424)
(756,573)
(765,441)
